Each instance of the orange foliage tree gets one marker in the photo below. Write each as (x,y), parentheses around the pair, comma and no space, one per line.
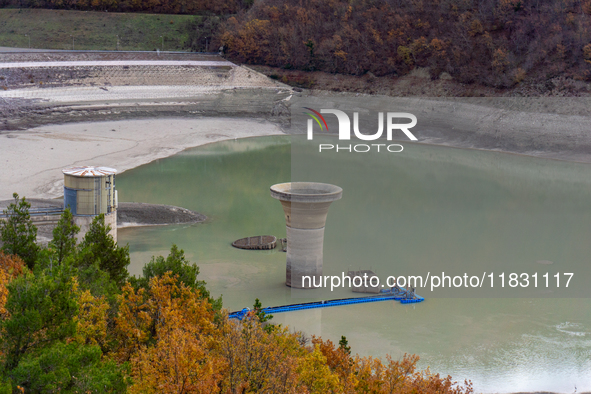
(11,266)
(258,360)
(166,332)
(372,375)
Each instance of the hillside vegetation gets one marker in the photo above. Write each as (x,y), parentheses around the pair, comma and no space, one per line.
(496,43)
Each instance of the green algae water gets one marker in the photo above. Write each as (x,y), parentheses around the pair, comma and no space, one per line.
(228,182)
(426,208)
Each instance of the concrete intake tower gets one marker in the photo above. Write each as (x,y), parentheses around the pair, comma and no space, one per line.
(305,205)
(88,192)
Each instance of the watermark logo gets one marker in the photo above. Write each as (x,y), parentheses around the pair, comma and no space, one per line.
(315,116)
(345,129)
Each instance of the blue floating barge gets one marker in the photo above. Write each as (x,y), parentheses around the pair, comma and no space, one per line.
(399,294)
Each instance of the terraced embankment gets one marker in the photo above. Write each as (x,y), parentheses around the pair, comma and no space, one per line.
(58,87)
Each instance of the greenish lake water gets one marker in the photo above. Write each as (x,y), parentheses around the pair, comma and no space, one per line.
(426,209)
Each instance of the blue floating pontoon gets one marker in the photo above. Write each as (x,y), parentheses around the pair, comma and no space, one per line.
(399,294)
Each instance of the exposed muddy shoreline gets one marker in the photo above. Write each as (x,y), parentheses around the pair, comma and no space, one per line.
(74,90)
(128,116)
(129,214)
(556,128)
(135,214)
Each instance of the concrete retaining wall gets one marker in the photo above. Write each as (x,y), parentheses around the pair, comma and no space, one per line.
(84,223)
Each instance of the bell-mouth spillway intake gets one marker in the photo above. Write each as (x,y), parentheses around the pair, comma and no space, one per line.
(306,192)
(305,205)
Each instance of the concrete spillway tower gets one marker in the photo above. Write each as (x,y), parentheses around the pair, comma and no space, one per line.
(305,205)
(88,192)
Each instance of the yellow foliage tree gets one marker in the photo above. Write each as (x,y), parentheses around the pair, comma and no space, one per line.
(178,363)
(91,320)
(316,376)
(340,362)
(258,360)
(372,375)
(168,334)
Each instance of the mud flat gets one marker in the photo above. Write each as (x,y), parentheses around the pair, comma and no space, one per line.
(547,127)
(133,214)
(129,214)
(74,113)
(32,160)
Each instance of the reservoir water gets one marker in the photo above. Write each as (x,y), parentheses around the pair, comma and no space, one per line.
(428,208)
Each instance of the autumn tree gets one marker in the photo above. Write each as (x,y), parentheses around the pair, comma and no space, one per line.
(498,44)
(11,266)
(316,376)
(177,264)
(339,359)
(258,360)
(165,331)
(373,375)
(147,313)
(92,320)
